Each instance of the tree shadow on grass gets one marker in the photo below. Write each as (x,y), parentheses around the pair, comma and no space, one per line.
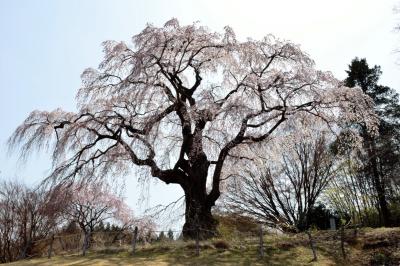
(186,255)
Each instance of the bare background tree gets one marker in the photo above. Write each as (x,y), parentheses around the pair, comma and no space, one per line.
(186,104)
(26,215)
(352,196)
(282,191)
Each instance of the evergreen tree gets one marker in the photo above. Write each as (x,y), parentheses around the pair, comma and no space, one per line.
(170,234)
(100,227)
(108,227)
(71,227)
(161,236)
(381,157)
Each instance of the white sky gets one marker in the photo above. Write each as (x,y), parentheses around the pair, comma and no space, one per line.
(45,45)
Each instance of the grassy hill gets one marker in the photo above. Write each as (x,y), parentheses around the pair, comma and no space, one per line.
(370,247)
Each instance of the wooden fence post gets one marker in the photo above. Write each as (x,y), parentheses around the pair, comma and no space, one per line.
(312,246)
(342,242)
(261,242)
(86,240)
(61,243)
(197,241)
(51,246)
(84,245)
(77,240)
(135,233)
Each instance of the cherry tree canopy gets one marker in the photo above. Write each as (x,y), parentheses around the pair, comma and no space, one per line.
(91,204)
(184,102)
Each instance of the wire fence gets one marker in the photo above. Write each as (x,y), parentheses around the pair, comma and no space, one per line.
(134,241)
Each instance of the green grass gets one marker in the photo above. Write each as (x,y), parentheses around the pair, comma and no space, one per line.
(279,250)
(297,256)
(164,254)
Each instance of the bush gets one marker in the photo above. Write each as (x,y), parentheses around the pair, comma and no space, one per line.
(381,259)
(230,224)
(395,212)
(221,244)
(319,218)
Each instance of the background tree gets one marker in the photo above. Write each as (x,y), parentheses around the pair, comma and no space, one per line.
(319,217)
(170,235)
(284,191)
(26,215)
(352,194)
(161,236)
(185,103)
(89,206)
(380,158)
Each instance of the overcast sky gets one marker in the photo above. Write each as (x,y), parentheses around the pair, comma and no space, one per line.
(45,45)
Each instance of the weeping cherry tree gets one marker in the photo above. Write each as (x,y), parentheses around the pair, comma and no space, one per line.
(186,105)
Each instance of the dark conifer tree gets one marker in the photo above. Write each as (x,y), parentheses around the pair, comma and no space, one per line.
(170,234)
(382,153)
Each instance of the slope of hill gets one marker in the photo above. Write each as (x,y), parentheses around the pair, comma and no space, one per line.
(379,246)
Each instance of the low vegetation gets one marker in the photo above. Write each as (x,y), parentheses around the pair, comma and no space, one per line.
(369,247)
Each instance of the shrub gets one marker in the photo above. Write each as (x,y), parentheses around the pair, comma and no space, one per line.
(230,224)
(380,259)
(395,212)
(221,244)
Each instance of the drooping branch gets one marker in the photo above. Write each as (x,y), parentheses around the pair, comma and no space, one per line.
(184,98)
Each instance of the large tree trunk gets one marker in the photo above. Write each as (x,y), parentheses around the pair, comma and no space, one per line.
(198,218)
